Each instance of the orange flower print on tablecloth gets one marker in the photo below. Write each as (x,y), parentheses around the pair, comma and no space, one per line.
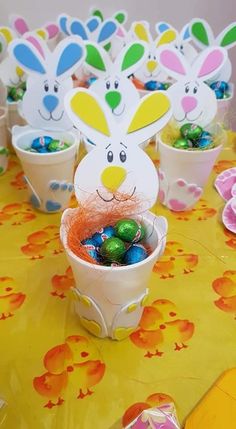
(224,164)
(10,299)
(175,260)
(231,238)
(154,400)
(19,182)
(61,284)
(160,329)
(225,286)
(72,364)
(16,214)
(42,243)
(200,212)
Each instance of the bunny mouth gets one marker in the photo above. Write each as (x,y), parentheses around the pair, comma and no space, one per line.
(189,119)
(151,74)
(119,200)
(114,111)
(51,116)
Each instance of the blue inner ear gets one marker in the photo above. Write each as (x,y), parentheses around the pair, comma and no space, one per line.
(69,57)
(62,23)
(163,27)
(186,34)
(107,30)
(26,57)
(78,29)
(92,24)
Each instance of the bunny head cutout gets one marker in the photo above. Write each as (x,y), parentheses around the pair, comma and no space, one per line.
(203,37)
(20,25)
(182,40)
(117,165)
(192,99)
(113,85)
(49,79)
(151,70)
(10,73)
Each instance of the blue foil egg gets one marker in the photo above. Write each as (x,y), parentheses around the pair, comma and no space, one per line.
(221,85)
(219,94)
(91,248)
(136,253)
(153,85)
(204,143)
(102,235)
(41,142)
(91,80)
(206,135)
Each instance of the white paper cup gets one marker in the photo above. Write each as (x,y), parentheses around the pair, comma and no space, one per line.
(109,300)
(183,174)
(224,107)
(3,140)
(49,176)
(14,117)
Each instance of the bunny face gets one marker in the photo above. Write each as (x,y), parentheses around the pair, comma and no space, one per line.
(150,69)
(182,40)
(192,100)
(49,79)
(117,164)
(113,84)
(203,37)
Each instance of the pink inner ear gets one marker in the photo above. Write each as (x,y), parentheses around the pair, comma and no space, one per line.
(211,63)
(120,32)
(170,60)
(21,26)
(52,30)
(36,44)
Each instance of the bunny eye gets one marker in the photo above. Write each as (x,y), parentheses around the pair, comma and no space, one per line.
(187,89)
(108,85)
(176,47)
(55,88)
(149,56)
(181,47)
(116,84)
(122,156)
(46,87)
(110,156)
(195,90)
(154,57)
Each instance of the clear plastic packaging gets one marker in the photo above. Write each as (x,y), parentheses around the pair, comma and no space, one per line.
(162,417)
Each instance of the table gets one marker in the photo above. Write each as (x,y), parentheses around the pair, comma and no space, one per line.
(56,375)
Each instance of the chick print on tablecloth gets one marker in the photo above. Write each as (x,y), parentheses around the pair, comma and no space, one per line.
(161,329)
(175,260)
(201,211)
(42,243)
(10,299)
(153,400)
(224,164)
(61,284)
(75,364)
(231,239)
(16,214)
(18,182)
(225,287)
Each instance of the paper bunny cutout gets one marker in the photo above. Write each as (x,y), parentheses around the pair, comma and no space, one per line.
(117,164)
(203,37)
(182,40)
(49,79)
(150,70)
(225,184)
(113,85)
(20,25)
(10,73)
(192,99)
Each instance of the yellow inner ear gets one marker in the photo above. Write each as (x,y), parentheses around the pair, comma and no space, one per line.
(141,32)
(42,33)
(167,37)
(86,107)
(7,34)
(150,110)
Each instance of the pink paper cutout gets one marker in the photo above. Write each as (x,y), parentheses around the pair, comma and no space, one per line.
(21,25)
(52,30)
(36,44)
(161,195)
(170,60)
(211,63)
(120,32)
(229,215)
(176,205)
(189,103)
(225,182)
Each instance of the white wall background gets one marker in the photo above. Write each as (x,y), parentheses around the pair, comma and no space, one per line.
(219,13)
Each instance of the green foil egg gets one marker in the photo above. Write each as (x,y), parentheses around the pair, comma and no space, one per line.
(57,146)
(182,143)
(191,131)
(113,250)
(129,230)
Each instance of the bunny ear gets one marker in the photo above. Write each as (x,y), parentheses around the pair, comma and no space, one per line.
(121,16)
(201,33)
(63,22)
(42,33)
(173,62)
(93,23)
(3,44)
(32,38)
(19,24)
(7,33)
(52,29)
(166,37)
(185,33)
(131,58)
(97,59)
(209,62)
(142,32)
(227,38)
(27,56)
(150,116)
(107,31)
(162,26)
(68,56)
(89,114)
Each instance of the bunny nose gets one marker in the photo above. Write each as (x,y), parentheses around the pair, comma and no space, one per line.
(188,103)
(113,99)
(50,102)
(151,65)
(19,72)
(113,177)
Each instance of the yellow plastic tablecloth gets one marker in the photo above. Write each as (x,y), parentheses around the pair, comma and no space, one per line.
(188,328)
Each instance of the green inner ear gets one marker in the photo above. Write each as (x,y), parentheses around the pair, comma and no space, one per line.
(99,14)
(229,37)
(132,56)
(107,47)
(120,17)
(94,58)
(200,33)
